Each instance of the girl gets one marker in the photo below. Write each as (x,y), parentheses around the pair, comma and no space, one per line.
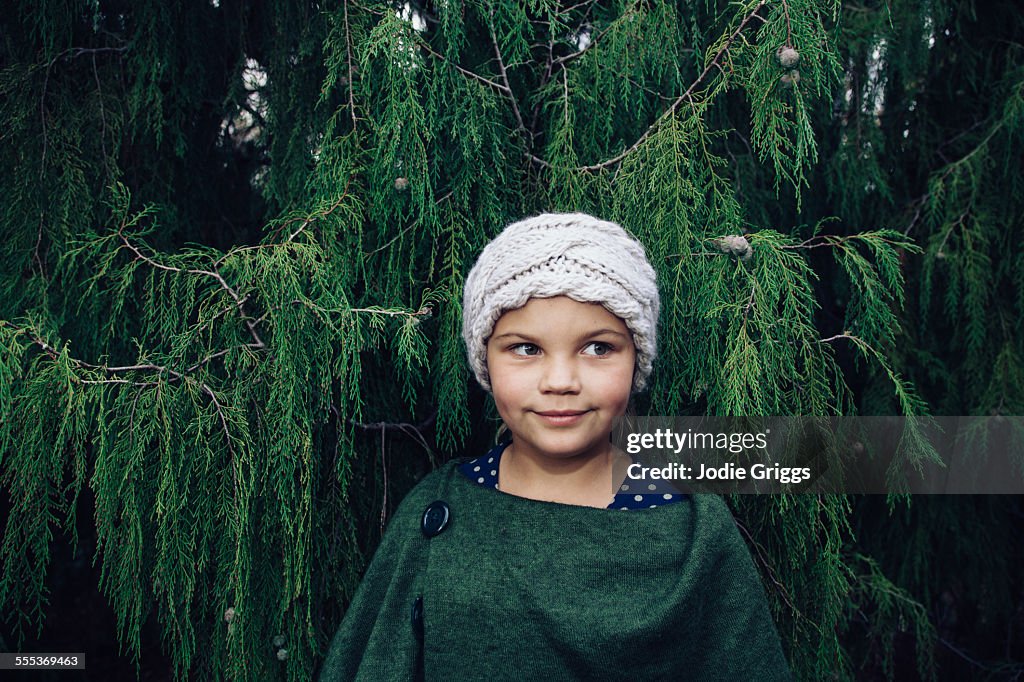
(536,561)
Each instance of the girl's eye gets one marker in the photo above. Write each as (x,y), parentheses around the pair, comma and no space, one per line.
(597,348)
(525,349)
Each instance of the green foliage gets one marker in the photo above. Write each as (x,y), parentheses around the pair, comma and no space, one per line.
(234,238)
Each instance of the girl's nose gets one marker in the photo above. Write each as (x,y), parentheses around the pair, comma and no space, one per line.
(560,376)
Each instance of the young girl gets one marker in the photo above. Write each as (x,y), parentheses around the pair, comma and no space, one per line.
(531,562)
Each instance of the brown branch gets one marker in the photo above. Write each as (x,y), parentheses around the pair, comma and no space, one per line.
(750,303)
(682,98)
(306,222)
(565,85)
(789,27)
(545,79)
(949,231)
(215,274)
(351,83)
(856,340)
(39,241)
(466,72)
(815,242)
(414,431)
(508,85)
(205,388)
(103,113)
(569,57)
(763,560)
(70,52)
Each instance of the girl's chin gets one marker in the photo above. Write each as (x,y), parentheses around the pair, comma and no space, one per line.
(558,449)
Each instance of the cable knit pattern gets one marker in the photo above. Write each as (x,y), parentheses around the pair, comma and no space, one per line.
(562,254)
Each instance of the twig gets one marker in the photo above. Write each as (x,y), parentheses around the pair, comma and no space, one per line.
(39,241)
(205,388)
(103,114)
(70,52)
(306,222)
(949,230)
(414,431)
(404,229)
(545,79)
(508,85)
(565,83)
(351,83)
(856,340)
(750,303)
(466,72)
(767,566)
(195,271)
(214,356)
(917,214)
(789,28)
(679,100)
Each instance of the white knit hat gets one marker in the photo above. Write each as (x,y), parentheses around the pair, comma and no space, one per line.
(562,254)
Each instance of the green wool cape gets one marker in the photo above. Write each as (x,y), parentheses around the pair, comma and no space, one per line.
(518,589)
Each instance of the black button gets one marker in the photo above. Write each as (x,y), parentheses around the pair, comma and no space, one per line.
(435,518)
(417,618)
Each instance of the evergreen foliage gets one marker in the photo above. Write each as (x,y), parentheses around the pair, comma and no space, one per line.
(234,236)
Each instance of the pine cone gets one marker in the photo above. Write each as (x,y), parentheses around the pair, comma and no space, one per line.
(736,245)
(401,184)
(787,57)
(790,79)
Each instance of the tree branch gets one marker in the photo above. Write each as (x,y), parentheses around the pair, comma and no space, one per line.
(466,72)
(682,98)
(215,274)
(81,364)
(351,83)
(508,85)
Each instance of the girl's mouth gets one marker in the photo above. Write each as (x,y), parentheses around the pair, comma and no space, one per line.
(561,417)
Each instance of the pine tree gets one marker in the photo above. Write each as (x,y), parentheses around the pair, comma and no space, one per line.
(234,237)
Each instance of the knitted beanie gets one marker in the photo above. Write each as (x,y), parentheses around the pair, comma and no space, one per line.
(562,254)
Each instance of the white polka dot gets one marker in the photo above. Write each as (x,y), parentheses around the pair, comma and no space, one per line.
(667,496)
(651,486)
(638,498)
(625,507)
(476,468)
(480,480)
(490,461)
(624,487)
(653,506)
(493,472)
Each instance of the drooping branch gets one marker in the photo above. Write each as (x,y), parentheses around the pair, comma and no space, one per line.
(351,83)
(508,85)
(215,274)
(466,72)
(686,96)
(116,370)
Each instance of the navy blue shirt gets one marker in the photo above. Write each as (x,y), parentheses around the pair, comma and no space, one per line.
(484,471)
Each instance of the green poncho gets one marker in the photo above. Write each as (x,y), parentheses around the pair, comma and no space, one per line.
(517,589)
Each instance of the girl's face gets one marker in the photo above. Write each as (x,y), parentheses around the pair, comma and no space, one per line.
(561,372)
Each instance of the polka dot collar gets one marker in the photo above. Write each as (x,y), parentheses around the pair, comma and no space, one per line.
(484,471)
